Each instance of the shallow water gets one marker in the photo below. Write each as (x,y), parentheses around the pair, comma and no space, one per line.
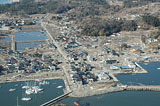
(4,1)
(25,36)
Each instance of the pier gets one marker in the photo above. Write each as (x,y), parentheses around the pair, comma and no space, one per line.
(143,88)
(51,102)
(137,65)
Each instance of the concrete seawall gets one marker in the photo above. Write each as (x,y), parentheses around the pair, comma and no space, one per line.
(142,88)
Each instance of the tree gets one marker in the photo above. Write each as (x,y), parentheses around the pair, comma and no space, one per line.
(129,26)
(151,20)
(100,27)
(1,69)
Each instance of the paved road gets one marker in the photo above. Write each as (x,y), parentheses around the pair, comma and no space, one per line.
(44,25)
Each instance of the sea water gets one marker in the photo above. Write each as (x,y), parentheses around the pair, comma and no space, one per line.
(10,98)
(5,2)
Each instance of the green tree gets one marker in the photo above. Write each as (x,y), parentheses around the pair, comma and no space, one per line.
(151,20)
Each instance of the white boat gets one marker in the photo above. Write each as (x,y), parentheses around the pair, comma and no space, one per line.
(37,89)
(29,91)
(43,83)
(25,87)
(33,90)
(158,68)
(26,99)
(59,86)
(11,90)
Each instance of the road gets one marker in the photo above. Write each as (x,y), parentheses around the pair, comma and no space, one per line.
(44,25)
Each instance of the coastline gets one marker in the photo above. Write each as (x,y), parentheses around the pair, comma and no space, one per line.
(45,76)
(88,90)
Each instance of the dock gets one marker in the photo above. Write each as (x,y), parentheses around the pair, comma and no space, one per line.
(51,102)
(138,65)
(141,68)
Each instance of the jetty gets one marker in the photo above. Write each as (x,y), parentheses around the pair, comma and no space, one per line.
(51,102)
(142,88)
(137,65)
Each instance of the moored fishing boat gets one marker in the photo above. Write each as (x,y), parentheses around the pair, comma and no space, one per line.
(59,86)
(26,99)
(12,89)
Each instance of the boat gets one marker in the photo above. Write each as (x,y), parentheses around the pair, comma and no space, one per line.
(29,91)
(43,83)
(33,90)
(59,86)
(76,104)
(26,99)
(11,90)
(158,68)
(37,89)
(26,86)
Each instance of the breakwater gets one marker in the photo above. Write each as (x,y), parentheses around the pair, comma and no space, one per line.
(142,88)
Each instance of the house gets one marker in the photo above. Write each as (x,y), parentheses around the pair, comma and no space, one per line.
(111,61)
(4,28)
(91,58)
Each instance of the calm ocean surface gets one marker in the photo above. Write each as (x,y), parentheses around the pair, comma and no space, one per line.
(126,98)
(4,1)
(151,78)
(10,98)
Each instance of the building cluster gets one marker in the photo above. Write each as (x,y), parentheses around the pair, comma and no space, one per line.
(24,62)
(78,50)
(11,24)
(81,73)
